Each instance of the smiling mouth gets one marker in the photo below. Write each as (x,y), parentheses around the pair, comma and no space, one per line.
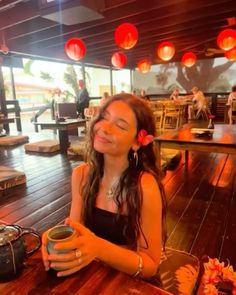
(101,139)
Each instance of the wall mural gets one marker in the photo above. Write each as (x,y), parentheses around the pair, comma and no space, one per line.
(210,75)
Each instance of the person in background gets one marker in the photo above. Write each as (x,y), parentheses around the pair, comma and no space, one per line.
(104,98)
(82,99)
(118,203)
(231,100)
(199,102)
(143,95)
(175,95)
(134,92)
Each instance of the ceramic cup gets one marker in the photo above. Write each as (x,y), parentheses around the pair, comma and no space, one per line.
(59,233)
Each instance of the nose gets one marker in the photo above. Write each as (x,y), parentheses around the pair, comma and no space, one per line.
(106,127)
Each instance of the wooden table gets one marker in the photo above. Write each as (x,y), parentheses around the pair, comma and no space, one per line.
(62,128)
(94,279)
(223,140)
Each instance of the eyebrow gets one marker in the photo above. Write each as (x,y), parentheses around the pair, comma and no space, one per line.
(118,119)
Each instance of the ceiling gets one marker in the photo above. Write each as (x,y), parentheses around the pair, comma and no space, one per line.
(40,28)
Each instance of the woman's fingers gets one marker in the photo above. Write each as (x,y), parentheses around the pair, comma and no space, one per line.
(68,272)
(70,256)
(44,251)
(71,267)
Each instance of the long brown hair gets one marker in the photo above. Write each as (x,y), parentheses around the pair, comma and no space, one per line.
(130,179)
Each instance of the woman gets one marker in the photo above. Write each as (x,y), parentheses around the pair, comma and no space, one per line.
(175,95)
(118,203)
(231,100)
(199,103)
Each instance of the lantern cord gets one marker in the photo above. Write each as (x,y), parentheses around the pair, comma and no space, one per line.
(13,256)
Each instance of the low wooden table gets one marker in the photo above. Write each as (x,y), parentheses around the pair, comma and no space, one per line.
(62,128)
(223,140)
(96,278)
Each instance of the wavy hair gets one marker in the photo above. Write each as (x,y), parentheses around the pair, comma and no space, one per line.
(129,185)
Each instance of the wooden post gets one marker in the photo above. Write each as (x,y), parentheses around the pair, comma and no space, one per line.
(3,99)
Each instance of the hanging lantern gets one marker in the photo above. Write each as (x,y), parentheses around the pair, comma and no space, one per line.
(231,54)
(144,66)
(166,50)
(189,59)
(118,60)
(75,48)
(226,39)
(126,36)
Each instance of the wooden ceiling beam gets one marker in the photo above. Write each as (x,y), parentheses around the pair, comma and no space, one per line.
(20,14)
(163,22)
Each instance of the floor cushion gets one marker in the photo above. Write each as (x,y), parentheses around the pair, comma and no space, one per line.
(43,146)
(11,140)
(77,148)
(178,272)
(10,177)
(171,158)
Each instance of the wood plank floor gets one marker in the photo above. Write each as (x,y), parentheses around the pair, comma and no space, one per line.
(202,202)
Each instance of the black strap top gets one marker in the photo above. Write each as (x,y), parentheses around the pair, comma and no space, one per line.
(107,226)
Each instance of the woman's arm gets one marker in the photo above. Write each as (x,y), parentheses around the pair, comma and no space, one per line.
(79,176)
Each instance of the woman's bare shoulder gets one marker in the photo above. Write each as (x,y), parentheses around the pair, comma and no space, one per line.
(81,170)
(148,182)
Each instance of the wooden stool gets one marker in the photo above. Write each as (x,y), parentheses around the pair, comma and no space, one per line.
(13,140)
(43,146)
(10,177)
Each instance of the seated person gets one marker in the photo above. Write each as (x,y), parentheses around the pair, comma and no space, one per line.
(231,99)
(104,98)
(118,202)
(175,95)
(199,103)
(143,95)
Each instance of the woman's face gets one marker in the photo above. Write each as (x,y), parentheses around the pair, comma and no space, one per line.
(115,133)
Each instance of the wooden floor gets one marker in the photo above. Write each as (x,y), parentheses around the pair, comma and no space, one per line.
(202,202)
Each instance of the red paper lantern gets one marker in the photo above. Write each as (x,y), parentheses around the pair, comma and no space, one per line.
(166,50)
(144,66)
(231,54)
(75,48)
(226,39)
(118,60)
(126,36)
(189,59)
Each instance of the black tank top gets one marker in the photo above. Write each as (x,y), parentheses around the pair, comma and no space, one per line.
(106,225)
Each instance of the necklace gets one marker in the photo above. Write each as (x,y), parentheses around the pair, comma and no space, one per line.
(112,190)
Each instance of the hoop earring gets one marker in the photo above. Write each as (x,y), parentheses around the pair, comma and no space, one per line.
(135,155)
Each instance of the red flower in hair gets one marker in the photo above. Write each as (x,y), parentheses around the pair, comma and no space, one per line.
(144,138)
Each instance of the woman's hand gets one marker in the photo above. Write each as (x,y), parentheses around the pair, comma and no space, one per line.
(79,251)
(44,251)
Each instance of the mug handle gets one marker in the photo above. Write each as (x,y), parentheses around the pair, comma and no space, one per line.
(30,231)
